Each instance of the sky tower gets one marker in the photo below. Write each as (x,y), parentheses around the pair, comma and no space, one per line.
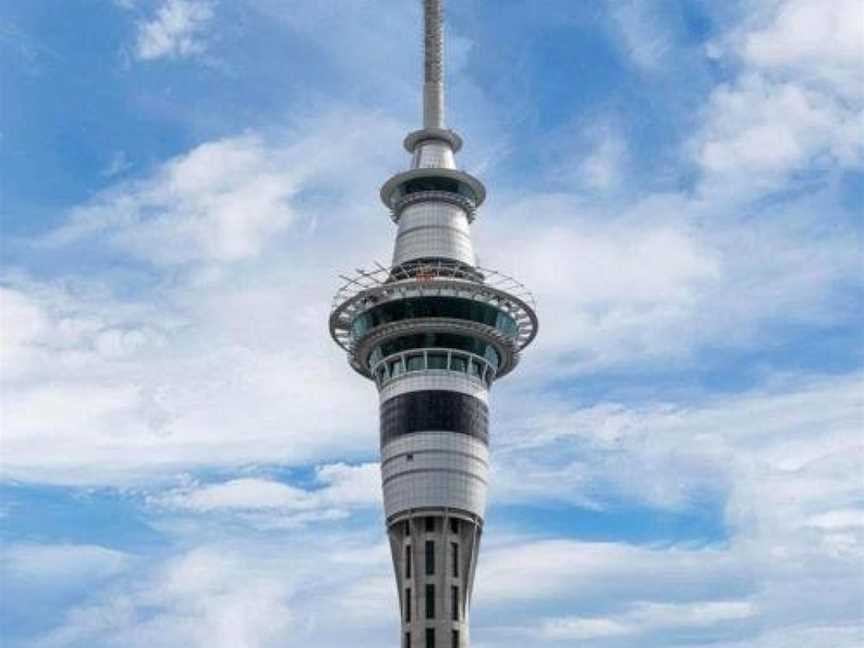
(434,331)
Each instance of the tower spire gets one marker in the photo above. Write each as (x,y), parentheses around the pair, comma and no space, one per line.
(433,87)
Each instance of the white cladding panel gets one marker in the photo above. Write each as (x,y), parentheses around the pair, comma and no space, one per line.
(435,469)
(433,230)
(434,380)
(433,154)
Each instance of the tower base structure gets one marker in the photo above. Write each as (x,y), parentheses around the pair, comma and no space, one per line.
(435,557)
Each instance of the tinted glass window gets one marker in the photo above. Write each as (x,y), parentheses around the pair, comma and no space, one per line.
(454,602)
(437,360)
(430,557)
(459,363)
(431,184)
(415,363)
(430,601)
(436,341)
(455,307)
(434,410)
(408,605)
(408,561)
(454,552)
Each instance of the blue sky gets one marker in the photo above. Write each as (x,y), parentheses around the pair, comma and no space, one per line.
(189,462)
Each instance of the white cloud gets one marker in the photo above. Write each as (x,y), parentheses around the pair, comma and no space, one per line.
(121,390)
(604,292)
(242,494)
(206,597)
(242,594)
(602,169)
(341,486)
(845,519)
(175,31)
(222,201)
(656,282)
(223,351)
(663,455)
(579,573)
(117,165)
(796,102)
(647,40)
(60,564)
(581,629)
(798,635)
(660,615)
(767,129)
(819,41)
(784,462)
(647,617)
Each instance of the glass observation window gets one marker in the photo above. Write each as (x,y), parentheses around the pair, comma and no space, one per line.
(395,367)
(415,363)
(437,360)
(435,341)
(436,183)
(452,307)
(459,363)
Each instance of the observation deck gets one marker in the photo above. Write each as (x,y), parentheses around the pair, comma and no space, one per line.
(484,318)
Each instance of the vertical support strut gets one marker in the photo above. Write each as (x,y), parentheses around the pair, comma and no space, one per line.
(433,87)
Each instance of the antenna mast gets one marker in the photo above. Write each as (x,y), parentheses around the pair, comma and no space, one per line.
(433,87)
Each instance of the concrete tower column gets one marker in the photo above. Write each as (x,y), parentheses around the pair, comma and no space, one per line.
(434,332)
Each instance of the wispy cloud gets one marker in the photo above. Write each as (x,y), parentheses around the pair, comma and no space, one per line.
(795,103)
(177,30)
(647,617)
(338,487)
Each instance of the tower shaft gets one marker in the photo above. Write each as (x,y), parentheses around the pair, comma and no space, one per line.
(434,332)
